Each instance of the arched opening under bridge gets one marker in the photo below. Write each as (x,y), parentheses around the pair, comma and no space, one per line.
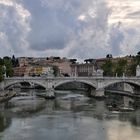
(124,88)
(25,85)
(121,94)
(82,87)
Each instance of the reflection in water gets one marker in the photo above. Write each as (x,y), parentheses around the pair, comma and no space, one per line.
(4,122)
(122,130)
(70,117)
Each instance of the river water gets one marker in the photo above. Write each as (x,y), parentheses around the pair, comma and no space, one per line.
(69,117)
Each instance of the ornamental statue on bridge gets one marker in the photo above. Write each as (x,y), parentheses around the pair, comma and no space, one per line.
(138,71)
(4,71)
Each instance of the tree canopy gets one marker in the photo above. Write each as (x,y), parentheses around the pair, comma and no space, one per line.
(6,67)
(108,68)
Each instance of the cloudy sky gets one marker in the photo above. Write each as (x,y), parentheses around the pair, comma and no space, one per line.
(69,28)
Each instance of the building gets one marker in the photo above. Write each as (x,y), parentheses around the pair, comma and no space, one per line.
(47,71)
(62,63)
(23,61)
(33,71)
(64,67)
(87,69)
(19,71)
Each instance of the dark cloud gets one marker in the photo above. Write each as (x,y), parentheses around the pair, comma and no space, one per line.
(51,28)
(53,43)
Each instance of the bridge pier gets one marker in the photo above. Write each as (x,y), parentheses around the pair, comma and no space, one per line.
(2,86)
(98,93)
(32,85)
(137,90)
(50,93)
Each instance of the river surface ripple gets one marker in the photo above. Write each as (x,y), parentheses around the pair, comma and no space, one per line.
(68,117)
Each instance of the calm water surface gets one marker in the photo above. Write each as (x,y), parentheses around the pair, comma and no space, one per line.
(68,117)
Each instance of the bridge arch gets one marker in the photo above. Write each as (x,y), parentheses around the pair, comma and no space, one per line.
(76,81)
(18,82)
(134,83)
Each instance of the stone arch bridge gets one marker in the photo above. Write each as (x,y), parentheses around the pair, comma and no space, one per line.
(98,83)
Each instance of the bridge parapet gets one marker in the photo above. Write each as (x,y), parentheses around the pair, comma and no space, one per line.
(52,82)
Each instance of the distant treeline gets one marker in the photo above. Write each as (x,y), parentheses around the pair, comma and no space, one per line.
(123,65)
(6,66)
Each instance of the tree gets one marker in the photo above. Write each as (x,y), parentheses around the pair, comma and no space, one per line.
(56,71)
(131,69)
(138,58)
(1,73)
(17,62)
(6,57)
(89,60)
(108,68)
(8,64)
(73,61)
(109,56)
(13,61)
(1,61)
(138,53)
(5,67)
(121,67)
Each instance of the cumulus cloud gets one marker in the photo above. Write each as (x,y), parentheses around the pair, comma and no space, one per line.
(116,38)
(4,44)
(131,42)
(14,27)
(124,34)
(74,28)
(70,26)
(122,10)
(123,40)
(93,36)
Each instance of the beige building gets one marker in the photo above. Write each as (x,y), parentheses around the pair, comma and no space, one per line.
(23,71)
(33,71)
(62,63)
(64,67)
(19,71)
(87,69)
(23,61)
(47,71)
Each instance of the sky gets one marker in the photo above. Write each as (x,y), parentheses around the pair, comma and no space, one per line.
(69,28)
